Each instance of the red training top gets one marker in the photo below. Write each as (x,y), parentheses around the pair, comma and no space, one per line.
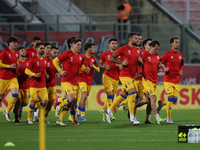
(175,61)
(8,57)
(51,71)
(38,65)
(71,64)
(31,52)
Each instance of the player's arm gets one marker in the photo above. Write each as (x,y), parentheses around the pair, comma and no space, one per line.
(114,59)
(30,73)
(56,63)
(182,64)
(85,69)
(95,66)
(2,65)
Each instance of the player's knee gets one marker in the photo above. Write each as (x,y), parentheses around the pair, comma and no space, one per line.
(15,95)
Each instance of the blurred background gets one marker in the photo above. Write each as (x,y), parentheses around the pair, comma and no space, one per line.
(98,20)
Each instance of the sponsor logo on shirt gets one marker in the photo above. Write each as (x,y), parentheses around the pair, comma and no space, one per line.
(171,57)
(108,57)
(38,63)
(48,64)
(32,54)
(129,52)
(149,58)
(9,56)
(71,59)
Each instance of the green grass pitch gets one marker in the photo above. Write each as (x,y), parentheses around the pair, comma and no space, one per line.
(95,134)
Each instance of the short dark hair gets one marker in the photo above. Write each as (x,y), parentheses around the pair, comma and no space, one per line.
(12,39)
(36,38)
(113,39)
(195,53)
(38,45)
(131,34)
(154,43)
(21,47)
(46,44)
(76,40)
(145,42)
(54,47)
(172,39)
(69,41)
(138,34)
(88,45)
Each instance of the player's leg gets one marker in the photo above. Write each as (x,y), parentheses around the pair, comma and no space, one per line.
(43,95)
(148,113)
(25,101)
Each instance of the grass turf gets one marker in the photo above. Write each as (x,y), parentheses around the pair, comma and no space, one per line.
(95,134)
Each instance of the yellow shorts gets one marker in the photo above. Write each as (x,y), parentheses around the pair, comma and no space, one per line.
(8,84)
(51,93)
(84,87)
(139,88)
(38,92)
(110,84)
(23,95)
(69,88)
(149,87)
(127,83)
(171,89)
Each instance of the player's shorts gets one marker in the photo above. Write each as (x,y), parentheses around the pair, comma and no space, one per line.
(69,88)
(8,84)
(110,84)
(40,93)
(139,88)
(84,87)
(51,93)
(23,95)
(149,87)
(127,83)
(171,89)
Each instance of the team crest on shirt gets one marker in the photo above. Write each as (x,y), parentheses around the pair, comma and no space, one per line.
(16,55)
(138,51)
(45,61)
(150,92)
(71,59)
(157,57)
(171,57)
(26,64)
(92,60)
(179,57)
(80,58)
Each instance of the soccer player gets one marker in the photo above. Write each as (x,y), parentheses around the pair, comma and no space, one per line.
(51,82)
(110,76)
(47,47)
(31,51)
(37,70)
(151,62)
(72,60)
(127,75)
(23,80)
(86,80)
(174,60)
(8,76)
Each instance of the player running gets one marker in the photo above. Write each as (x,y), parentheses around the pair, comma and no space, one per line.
(23,80)
(174,60)
(110,76)
(86,80)
(8,76)
(72,60)
(127,75)
(151,62)
(37,70)
(31,51)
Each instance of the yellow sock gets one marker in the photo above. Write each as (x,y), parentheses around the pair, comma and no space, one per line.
(131,102)
(64,112)
(105,105)
(30,112)
(117,101)
(169,109)
(82,113)
(164,103)
(65,103)
(124,102)
(11,103)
